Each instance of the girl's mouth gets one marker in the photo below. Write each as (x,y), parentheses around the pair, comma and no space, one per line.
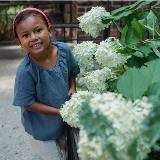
(36,45)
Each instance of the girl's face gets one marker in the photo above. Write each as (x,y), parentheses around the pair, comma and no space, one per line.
(33,35)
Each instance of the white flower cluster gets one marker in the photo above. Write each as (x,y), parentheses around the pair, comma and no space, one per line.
(91,149)
(107,55)
(126,118)
(96,80)
(84,53)
(70,108)
(91,22)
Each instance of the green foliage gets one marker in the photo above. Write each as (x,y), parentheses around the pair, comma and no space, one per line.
(136,61)
(151,124)
(132,84)
(154,88)
(96,126)
(139,29)
(151,71)
(152,24)
(132,148)
(150,129)
(113,84)
(145,53)
(10,11)
(136,22)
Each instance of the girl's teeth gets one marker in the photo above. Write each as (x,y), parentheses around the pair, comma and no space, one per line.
(36,45)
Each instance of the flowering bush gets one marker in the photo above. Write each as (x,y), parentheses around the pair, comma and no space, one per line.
(84,53)
(91,149)
(121,124)
(126,118)
(107,53)
(91,22)
(96,80)
(70,108)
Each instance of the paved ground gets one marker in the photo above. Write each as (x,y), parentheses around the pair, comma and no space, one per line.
(13,139)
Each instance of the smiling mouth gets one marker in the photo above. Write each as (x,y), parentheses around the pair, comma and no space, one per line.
(36,45)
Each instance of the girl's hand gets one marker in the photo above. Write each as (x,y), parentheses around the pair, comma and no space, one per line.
(72,85)
(71,91)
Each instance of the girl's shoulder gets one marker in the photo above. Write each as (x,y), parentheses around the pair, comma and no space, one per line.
(25,68)
(64,50)
(61,45)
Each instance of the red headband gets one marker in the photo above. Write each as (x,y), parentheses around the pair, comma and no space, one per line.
(33,9)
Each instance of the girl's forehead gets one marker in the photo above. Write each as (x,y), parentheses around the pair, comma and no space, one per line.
(30,22)
(33,18)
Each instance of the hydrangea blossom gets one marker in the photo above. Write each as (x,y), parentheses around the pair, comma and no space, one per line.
(91,22)
(70,108)
(96,80)
(91,149)
(126,117)
(84,53)
(107,54)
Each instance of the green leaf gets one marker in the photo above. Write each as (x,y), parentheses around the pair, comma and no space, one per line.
(132,148)
(152,56)
(144,4)
(123,14)
(113,84)
(151,72)
(154,46)
(144,15)
(135,61)
(126,7)
(119,28)
(152,22)
(106,21)
(145,49)
(158,15)
(154,88)
(119,9)
(124,34)
(151,124)
(139,30)
(130,18)
(135,4)
(132,84)
(142,22)
(129,35)
(132,62)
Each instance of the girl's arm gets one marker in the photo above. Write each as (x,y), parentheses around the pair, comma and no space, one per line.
(43,109)
(72,85)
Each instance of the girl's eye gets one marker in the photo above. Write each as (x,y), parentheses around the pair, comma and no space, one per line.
(25,35)
(38,30)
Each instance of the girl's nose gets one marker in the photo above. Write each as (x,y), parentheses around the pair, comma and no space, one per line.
(33,36)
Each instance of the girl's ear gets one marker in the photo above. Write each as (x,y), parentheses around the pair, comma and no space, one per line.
(19,42)
(50,31)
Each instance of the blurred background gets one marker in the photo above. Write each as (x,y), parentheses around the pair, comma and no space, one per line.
(63,17)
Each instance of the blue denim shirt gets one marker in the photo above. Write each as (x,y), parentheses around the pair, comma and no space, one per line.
(47,86)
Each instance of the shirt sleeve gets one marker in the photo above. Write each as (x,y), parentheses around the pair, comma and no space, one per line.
(25,88)
(73,65)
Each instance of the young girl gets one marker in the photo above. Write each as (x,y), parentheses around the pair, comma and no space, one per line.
(45,79)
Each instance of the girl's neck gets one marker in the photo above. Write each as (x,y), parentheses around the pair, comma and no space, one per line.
(44,55)
(47,60)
